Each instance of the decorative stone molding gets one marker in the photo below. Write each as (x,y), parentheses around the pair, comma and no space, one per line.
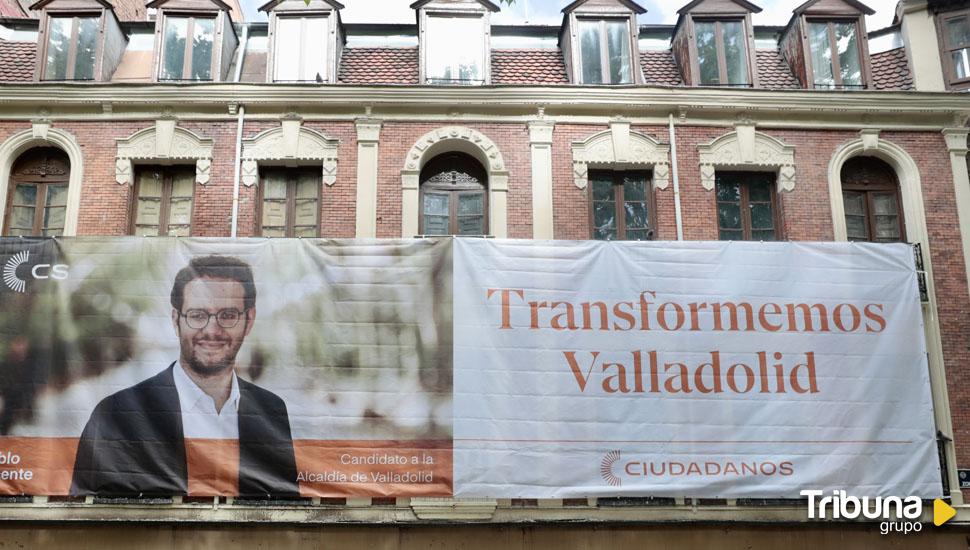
(290,144)
(621,148)
(465,140)
(39,128)
(956,140)
(163,143)
(747,149)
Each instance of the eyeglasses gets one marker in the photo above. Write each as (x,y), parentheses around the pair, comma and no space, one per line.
(225,318)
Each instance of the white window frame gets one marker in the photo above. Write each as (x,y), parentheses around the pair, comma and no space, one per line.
(304,56)
(483,16)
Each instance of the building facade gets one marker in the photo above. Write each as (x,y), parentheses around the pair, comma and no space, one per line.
(113,123)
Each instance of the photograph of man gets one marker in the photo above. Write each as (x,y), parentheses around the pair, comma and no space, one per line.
(136,439)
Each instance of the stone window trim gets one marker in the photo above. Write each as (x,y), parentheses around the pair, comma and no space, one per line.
(746,149)
(289,145)
(41,134)
(619,149)
(464,140)
(164,143)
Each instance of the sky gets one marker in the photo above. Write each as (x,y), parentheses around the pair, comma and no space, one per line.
(776,12)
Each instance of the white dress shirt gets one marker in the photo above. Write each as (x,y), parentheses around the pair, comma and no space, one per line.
(199,416)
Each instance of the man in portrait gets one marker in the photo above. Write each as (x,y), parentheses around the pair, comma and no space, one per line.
(138,440)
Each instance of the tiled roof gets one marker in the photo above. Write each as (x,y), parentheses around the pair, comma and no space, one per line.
(17,61)
(659,68)
(528,66)
(774,73)
(379,66)
(890,70)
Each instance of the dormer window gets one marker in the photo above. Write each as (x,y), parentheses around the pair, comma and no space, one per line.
(605,51)
(300,49)
(599,42)
(305,40)
(826,45)
(955,39)
(194,40)
(453,38)
(187,48)
(77,40)
(455,50)
(722,53)
(836,60)
(713,43)
(71,49)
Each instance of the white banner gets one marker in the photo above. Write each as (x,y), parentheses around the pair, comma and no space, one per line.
(696,369)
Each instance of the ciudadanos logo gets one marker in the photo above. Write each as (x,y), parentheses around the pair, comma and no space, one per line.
(15,278)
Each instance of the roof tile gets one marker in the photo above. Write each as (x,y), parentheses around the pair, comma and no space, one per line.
(17,61)
(528,66)
(890,70)
(660,69)
(379,66)
(774,73)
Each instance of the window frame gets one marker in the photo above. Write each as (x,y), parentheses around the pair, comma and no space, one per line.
(274,44)
(164,210)
(165,199)
(869,191)
(605,77)
(618,199)
(460,162)
(745,205)
(72,48)
(40,203)
(187,59)
(292,177)
(722,69)
(484,19)
(946,49)
(861,47)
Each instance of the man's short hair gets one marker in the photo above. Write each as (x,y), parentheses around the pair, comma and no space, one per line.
(215,267)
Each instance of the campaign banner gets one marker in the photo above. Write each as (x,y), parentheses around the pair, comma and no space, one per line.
(201,367)
(461,367)
(690,369)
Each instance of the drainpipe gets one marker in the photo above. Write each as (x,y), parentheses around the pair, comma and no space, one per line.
(239,129)
(235,181)
(242,53)
(676,175)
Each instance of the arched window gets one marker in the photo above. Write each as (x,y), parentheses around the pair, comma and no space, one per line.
(453,197)
(37,199)
(873,209)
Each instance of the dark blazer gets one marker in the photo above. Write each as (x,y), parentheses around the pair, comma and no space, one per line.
(133,443)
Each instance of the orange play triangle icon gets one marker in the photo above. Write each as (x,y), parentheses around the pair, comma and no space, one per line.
(942,512)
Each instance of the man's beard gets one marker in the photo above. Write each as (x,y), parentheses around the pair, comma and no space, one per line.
(203,368)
